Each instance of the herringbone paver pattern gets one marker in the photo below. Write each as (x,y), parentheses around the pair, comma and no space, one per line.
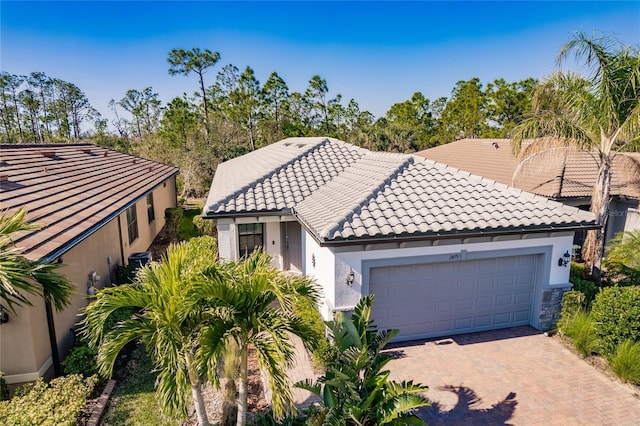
(515,376)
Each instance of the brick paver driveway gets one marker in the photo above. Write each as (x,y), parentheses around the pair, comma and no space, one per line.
(515,376)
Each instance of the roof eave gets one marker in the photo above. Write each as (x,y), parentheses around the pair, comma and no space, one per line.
(230,215)
(453,234)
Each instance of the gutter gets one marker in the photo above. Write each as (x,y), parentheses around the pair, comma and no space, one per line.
(226,215)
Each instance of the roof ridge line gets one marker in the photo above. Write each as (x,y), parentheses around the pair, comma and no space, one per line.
(272,172)
(408,160)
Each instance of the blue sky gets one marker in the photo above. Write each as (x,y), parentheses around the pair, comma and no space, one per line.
(378,53)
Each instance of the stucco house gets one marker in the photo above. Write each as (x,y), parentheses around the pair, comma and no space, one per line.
(96,207)
(444,251)
(564,176)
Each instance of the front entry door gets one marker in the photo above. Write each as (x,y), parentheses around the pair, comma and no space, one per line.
(292,238)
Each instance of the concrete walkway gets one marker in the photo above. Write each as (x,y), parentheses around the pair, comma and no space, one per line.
(515,376)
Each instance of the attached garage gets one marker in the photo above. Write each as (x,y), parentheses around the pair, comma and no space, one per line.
(426,300)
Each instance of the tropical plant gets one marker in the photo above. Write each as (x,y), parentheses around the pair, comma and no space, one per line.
(616,316)
(599,114)
(626,361)
(254,307)
(581,330)
(623,260)
(169,323)
(355,390)
(20,276)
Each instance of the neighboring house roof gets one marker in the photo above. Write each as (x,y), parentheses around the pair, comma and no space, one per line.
(559,175)
(374,195)
(71,191)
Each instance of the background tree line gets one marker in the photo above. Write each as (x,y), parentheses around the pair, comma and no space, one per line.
(232,113)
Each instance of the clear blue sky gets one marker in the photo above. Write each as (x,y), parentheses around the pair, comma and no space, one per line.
(378,53)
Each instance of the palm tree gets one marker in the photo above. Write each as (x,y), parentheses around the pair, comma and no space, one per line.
(20,276)
(355,389)
(254,307)
(169,322)
(600,114)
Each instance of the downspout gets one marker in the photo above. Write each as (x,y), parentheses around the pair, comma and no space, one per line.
(55,356)
(120,239)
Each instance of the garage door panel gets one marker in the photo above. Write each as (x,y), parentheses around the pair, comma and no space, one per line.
(428,300)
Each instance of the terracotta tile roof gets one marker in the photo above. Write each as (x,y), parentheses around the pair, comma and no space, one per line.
(555,175)
(369,195)
(71,190)
(277,177)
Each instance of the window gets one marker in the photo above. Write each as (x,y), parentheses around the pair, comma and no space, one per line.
(132,223)
(151,214)
(250,237)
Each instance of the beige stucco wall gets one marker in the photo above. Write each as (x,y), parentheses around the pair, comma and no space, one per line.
(25,351)
(164,197)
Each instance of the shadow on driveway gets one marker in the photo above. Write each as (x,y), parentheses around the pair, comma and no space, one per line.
(466,410)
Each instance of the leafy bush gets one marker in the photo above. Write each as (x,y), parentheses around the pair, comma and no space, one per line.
(322,350)
(616,314)
(578,270)
(56,403)
(586,287)
(626,361)
(623,260)
(580,328)
(81,360)
(203,226)
(572,303)
(126,274)
(173,217)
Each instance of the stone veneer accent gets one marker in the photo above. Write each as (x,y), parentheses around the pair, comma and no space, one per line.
(551,307)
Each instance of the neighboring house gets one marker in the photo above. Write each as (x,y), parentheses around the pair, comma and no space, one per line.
(444,251)
(96,207)
(568,178)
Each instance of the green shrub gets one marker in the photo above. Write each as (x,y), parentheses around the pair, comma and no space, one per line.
(56,403)
(4,388)
(626,361)
(586,287)
(578,270)
(322,349)
(81,360)
(126,274)
(203,226)
(572,303)
(173,217)
(580,328)
(616,313)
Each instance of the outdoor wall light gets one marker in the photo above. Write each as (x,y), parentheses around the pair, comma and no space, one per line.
(565,259)
(350,277)
(313,260)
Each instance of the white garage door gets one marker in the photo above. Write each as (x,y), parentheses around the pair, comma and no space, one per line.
(439,299)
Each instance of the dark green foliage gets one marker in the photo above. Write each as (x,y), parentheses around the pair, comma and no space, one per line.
(578,270)
(626,361)
(126,274)
(616,314)
(173,217)
(302,419)
(203,226)
(187,228)
(355,390)
(4,388)
(572,303)
(322,350)
(586,287)
(55,403)
(81,360)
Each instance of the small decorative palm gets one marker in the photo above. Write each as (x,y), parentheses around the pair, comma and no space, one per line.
(355,390)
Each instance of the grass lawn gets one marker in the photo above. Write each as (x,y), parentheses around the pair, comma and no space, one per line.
(134,401)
